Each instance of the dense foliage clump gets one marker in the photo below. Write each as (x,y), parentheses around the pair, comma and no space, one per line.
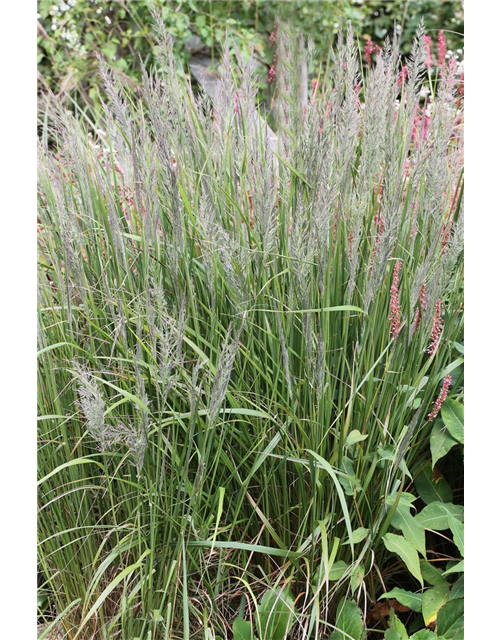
(251,352)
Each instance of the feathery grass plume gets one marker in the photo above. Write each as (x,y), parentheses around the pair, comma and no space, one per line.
(225,363)
(240,302)
(93,407)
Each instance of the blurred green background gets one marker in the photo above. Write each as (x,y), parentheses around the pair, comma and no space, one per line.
(71,31)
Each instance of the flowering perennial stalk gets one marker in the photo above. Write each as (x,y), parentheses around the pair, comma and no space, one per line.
(441,398)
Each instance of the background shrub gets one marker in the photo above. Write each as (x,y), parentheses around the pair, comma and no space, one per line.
(70,33)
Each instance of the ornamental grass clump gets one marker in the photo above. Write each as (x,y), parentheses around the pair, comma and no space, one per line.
(243,339)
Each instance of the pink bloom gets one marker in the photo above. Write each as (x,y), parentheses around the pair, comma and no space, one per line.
(460,89)
(272,73)
(423,299)
(423,306)
(441,398)
(394,307)
(377,50)
(445,236)
(441,48)
(379,223)
(369,51)
(418,318)
(329,109)
(273,36)
(436,329)
(403,75)
(428,44)
(350,237)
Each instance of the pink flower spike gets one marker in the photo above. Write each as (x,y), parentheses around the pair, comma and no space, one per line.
(272,74)
(394,306)
(441,398)
(428,44)
(369,51)
(273,36)
(441,48)
(417,320)
(436,329)
(423,300)
(403,75)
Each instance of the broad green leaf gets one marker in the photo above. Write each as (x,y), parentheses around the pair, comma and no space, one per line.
(441,442)
(396,624)
(390,454)
(432,602)
(431,574)
(337,570)
(459,347)
(242,629)
(41,600)
(357,578)
(405,499)
(355,436)
(349,483)
(349,621)
(276,612)
(406,598)
(457,529)
(452,413)
(412,530)
(407,553)
(424,634)
(455,568)
(435,515)
(432,488)
(358,535)
(458,589)
(392,634)
(450,620)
